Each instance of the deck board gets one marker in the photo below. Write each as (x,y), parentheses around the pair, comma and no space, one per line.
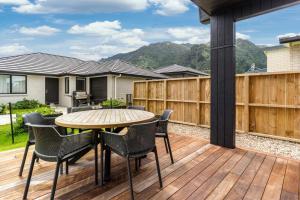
(201,171)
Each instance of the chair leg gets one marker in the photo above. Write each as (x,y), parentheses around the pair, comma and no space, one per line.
(67,166)
(101,167)
(137,164)
(61,169)
(170,150)
(55,179)
(130,178)
(96,163)
(29,176)
(157,167)
(166,145)
(24,159)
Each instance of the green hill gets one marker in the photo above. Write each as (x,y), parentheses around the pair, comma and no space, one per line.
(196,56)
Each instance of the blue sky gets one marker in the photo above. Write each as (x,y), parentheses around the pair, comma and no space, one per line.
(96,29)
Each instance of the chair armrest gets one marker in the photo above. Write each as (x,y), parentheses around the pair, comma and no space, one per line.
(116,142)
(162,126)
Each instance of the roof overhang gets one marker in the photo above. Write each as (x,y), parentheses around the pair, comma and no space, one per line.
(284,40)
(241,9)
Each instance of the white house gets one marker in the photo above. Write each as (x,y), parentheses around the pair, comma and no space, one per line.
(52,78)
(284,57)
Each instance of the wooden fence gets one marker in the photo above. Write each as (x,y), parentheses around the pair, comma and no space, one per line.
(266,103)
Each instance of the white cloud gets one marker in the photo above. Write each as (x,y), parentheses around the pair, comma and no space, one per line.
(104,28)
(242,36)
(39,31)
(170,7)
(193,35)
(81,6)
(110,32)
(288,35)
(14,2)
(162,7)
(13,49)
(103,39)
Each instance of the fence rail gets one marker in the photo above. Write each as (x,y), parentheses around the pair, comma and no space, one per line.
(266,103)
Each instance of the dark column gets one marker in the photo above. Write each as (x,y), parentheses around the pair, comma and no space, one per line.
(223,79)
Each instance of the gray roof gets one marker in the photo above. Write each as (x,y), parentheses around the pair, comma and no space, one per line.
(176,69)
(113,67)
(275,47)
(38,63)
(48,64)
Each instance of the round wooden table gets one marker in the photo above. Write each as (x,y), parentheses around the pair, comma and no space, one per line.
(110,119)
(104,118)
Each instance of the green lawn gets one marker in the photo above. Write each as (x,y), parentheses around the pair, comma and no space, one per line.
(21,138)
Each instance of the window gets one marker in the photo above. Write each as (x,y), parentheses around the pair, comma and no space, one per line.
(80,84)
(67,85)
(18,84)
(4,84)
(13,84)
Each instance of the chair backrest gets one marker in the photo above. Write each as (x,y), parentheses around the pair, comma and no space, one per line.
(79,109)
(136,107)
(47,141)
(32,118)
(166,115)
(140,138)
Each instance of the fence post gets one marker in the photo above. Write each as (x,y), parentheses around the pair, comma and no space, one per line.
(246,103)
(11,123)
(198,101)
(147,95)
(165,94)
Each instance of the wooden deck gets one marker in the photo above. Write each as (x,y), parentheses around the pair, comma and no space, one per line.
(201,171)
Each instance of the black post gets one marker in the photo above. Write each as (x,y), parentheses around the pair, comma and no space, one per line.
(11,124)
(223,79)
(111,104)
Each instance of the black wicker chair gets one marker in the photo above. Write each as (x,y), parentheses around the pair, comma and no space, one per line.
(162,131)
(35,118)
(136,107)
(139,141)
(51,146)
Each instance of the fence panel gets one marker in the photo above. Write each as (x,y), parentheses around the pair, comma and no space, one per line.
(266,103)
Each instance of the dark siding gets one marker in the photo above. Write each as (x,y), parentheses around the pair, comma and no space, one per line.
(223,80)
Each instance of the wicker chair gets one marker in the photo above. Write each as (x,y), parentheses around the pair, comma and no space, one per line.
(35,118)
(51,146)
(139,141)
(79,109)
(136,107)
(162,131)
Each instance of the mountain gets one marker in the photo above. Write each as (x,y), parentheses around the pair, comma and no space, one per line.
(196,56)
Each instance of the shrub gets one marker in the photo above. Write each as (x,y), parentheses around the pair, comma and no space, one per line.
(114,103)
(27,104)
(2,108)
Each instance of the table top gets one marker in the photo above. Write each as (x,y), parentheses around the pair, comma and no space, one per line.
(104,118)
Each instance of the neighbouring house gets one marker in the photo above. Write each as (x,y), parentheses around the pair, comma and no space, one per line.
(177,71)
(284,57)
(53,78)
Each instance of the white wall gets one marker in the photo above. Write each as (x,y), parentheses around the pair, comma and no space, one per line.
(124,86)
(35,90)
(66,99)
(278,60)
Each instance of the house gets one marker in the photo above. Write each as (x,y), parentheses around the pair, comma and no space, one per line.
(284,57)
(53,78)
(176,71)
